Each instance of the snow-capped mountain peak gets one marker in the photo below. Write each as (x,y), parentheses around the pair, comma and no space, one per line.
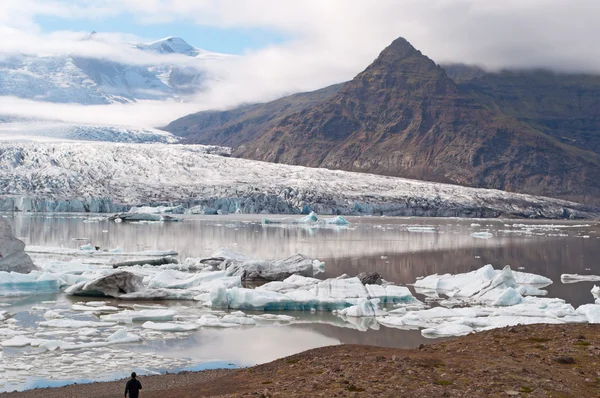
(171,45)
(90,80)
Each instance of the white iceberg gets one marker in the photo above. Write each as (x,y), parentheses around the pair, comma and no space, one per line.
(170,327)
(115,284)
(574,278)
(140,316)
(17,284)
(591,312)
(482,235)
(74,324)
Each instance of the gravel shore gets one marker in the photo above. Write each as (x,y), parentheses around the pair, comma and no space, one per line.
(527,361)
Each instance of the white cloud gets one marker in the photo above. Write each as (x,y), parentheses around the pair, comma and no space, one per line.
(332,40)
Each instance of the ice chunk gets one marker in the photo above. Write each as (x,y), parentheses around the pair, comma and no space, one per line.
(573,278)
(309,219)
(510,296)
(218,297)
(596,291)
(87,247)
(140,316)
(214,321)
(106,308)
(18,341)
(446,330)
(482,235)
(172,279)
(364,308)
(52,315)
(421,229)
(591,312)
(74,324)
(278,270)
(115,284)
(525,278)
(170,327)
(17,284)
(12,254)
(339,220)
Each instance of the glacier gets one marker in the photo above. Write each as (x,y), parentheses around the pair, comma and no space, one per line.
(52,131)
(114,177)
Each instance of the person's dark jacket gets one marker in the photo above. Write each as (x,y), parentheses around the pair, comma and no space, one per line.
(133,387)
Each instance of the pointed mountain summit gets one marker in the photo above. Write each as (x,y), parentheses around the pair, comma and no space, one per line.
(404,116)
(171,45)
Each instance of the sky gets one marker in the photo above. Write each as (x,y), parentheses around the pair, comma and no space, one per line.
(283,47)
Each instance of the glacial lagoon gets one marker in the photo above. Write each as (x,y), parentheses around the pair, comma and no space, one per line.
(400,249)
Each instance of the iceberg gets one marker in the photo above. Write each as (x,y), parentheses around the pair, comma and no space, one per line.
(12,255)
(298,293)
(447,330)
(170,327)
(235,319)
(312,218)
(139,316)
(74,324)
(17,284)
(484,285)
(591,312)
(364,308)
(574,278)
(116,284)
(482,235)
(239,265)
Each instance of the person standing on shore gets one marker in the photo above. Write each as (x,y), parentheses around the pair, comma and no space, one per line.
(133,387)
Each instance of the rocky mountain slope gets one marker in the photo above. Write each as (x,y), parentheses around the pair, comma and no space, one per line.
(108,177)
(243,124)
(534,132)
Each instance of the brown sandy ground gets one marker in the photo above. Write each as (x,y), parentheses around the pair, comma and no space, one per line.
(525,361)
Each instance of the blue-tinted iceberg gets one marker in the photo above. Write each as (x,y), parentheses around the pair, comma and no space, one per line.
(17,284)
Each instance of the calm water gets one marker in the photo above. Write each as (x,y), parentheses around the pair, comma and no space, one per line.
(381,244)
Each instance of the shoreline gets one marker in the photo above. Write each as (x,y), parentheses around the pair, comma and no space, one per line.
(532,360)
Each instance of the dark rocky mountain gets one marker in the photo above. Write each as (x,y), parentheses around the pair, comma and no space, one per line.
(245,123)
(523,131)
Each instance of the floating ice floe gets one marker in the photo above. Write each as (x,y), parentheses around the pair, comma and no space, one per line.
(482,235)
(97,253)
(421,229)
(304,294)
(115,284)
(310,219)
(170,327)
(16,284)
(74,324)
(152,214)
(139,316)
(574,278)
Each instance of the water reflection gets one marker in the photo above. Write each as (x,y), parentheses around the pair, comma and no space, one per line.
(244,347)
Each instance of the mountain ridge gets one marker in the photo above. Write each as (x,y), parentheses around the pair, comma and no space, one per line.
(90,80)
(404,116)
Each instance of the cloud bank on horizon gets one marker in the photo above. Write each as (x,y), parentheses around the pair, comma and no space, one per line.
(329,42)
